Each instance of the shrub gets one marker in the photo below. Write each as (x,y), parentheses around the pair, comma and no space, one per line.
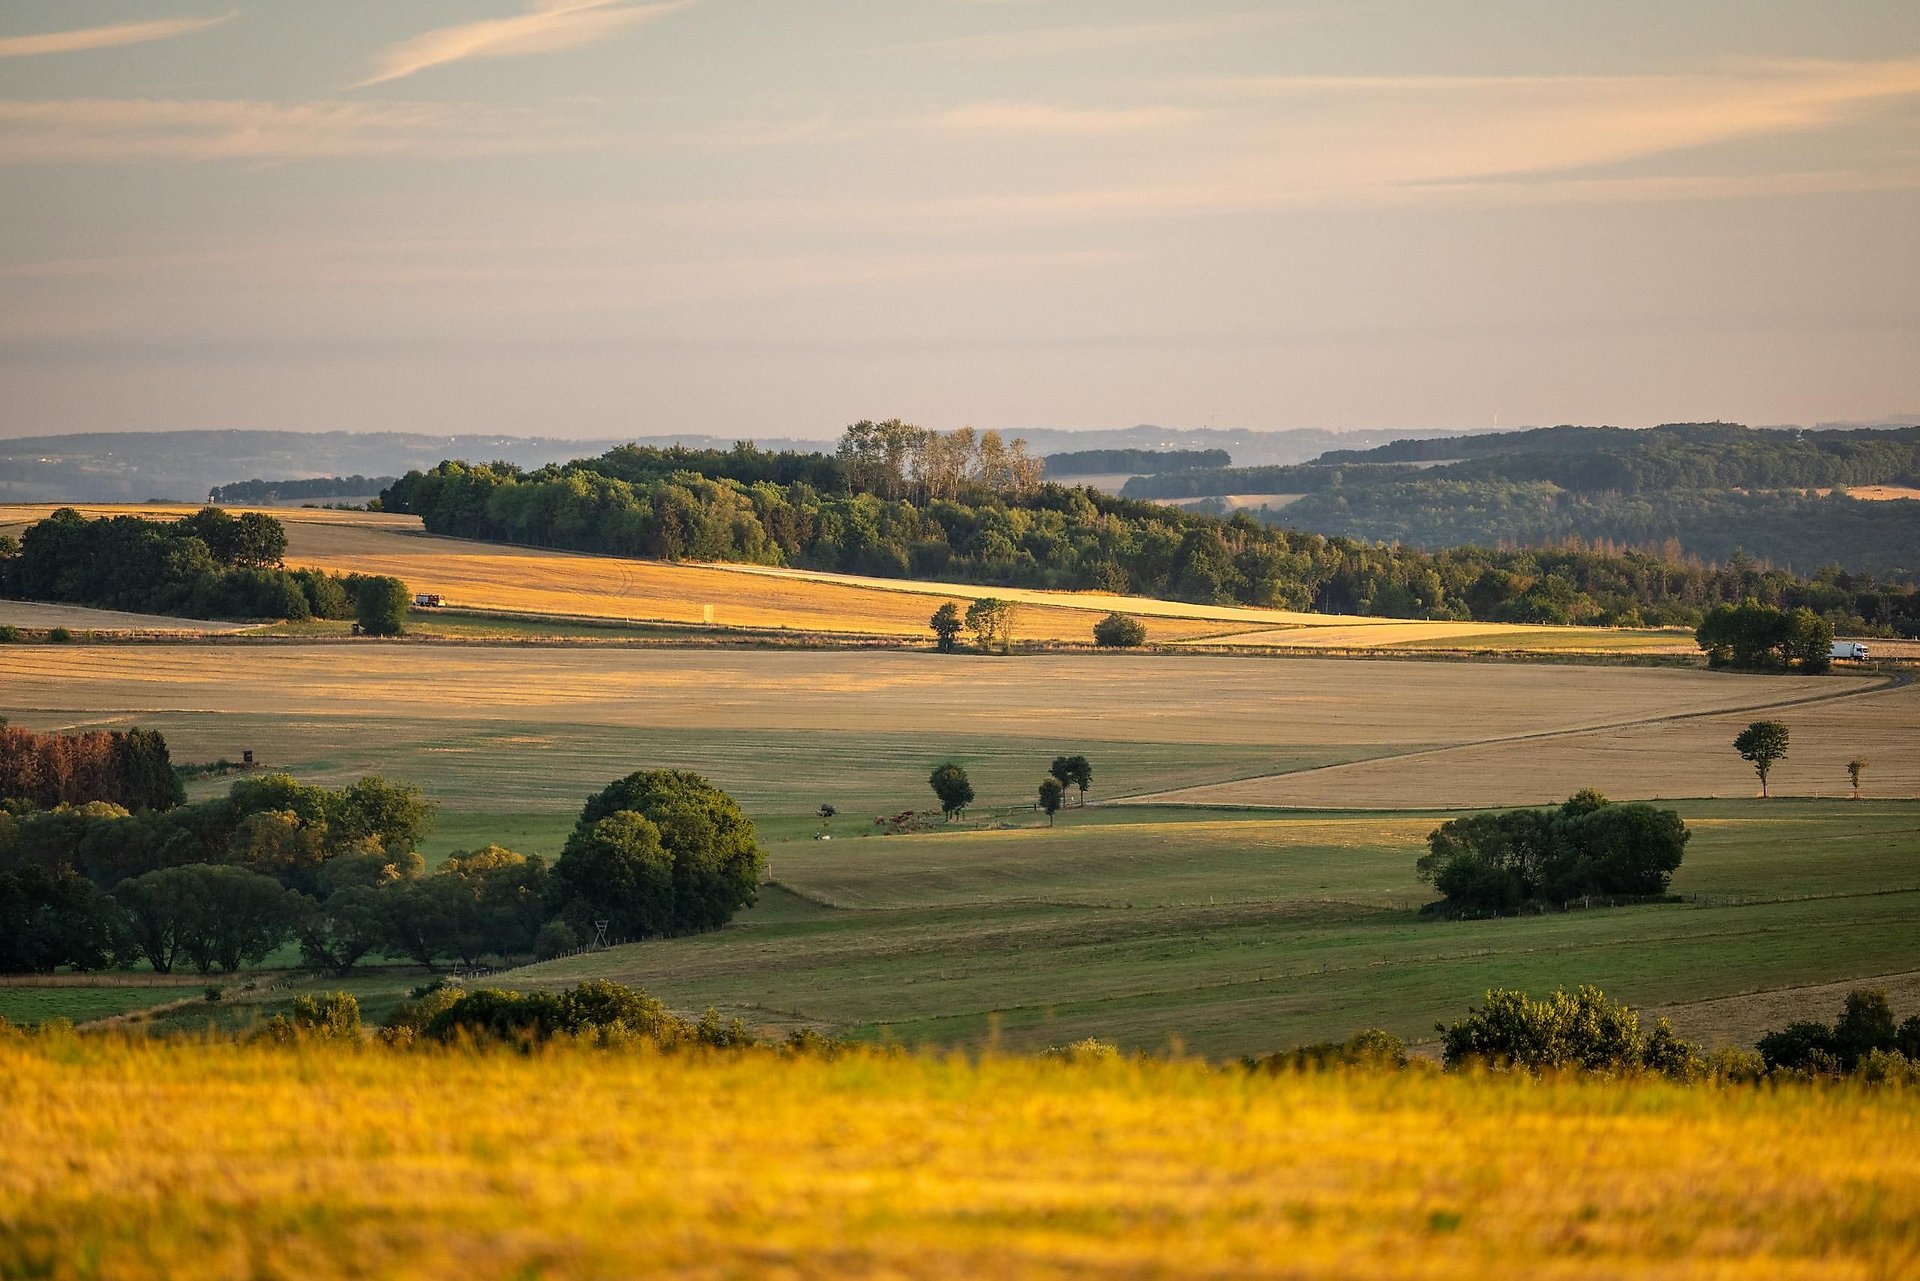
(1119,631)
(334,1015)
(11,635)
(60,635)
(1367,1048)
(1090,1050)
(606,1013)
(1578,1030)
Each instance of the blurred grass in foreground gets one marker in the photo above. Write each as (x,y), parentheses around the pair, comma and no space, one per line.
(139,1159)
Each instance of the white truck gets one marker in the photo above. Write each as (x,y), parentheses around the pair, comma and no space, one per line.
(1848,649)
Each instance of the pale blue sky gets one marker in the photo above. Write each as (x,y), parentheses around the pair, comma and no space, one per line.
(769,217)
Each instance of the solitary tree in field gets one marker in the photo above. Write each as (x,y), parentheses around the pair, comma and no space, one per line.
(949,783)
(946,626)
(380,605)
(826,813)
(1764,743)
(1051,794)
(1855,768)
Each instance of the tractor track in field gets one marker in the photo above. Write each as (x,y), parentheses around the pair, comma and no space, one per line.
(1883,684)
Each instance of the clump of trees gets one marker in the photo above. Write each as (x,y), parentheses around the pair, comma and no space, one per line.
(1500,864)
(1865,1039)
(207,565)
(1757,637)
(992,622)
(225,882)
(1073,771)
(657,852)
(1119,631)
(130,768)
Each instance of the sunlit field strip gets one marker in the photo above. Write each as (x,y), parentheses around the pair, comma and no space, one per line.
(191,1160)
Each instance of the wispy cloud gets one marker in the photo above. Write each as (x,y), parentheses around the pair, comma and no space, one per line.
(1091,37)
(1418,129)
(95,130)
(1052,118)
(104,37)
(548,26)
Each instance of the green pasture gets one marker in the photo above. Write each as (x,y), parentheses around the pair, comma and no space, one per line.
(39,1003)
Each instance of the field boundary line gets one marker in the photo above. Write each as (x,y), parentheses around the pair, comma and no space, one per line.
(1882,684)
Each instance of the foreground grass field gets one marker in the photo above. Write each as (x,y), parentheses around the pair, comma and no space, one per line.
(189,1160)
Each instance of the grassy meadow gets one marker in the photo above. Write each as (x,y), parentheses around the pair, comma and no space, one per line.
(1230,930)
(206,1160)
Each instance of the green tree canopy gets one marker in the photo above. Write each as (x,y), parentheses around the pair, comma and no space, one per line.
(1764,743)
(949,783)
(659,851)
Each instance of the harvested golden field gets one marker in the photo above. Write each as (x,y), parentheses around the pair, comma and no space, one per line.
(1669,757)
(1163,698)
(492,576)
(1879,493)
(38,615)
(193,1160)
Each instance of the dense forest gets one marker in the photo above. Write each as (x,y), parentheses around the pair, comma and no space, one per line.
(1711,489)
(967,508)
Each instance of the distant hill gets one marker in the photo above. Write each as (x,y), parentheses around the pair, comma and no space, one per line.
(1712,490)
(183,466)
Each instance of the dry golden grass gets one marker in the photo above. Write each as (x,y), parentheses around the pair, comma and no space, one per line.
(1879,493)
(490,576)
(190,1161)
(1692,757)
(1296,703)
(38,615)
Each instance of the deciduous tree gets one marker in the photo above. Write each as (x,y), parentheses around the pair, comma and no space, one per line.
(1764,743)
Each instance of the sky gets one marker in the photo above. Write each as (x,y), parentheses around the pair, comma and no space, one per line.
(588,218)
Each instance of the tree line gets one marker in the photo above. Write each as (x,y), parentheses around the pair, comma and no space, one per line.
(211,564)
(268,491)
(129,768)
(896,514)
(1145,462)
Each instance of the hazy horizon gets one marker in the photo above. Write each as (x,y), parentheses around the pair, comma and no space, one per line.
(592,219)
